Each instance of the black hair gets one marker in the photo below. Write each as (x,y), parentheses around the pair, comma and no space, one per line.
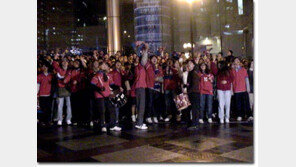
(223,69)
(207,70)
(152,57)
(230,51)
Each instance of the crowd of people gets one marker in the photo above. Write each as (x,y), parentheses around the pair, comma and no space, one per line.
(76,89)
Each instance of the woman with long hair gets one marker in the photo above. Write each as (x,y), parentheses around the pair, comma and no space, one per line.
(206,92)
(224,84)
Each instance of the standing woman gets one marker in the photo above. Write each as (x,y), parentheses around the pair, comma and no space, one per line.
(116,75)
(102,83)
(251,93)
(170,83)
(241,88)
(63,93)
(206,92)
(92,71)
(224,84)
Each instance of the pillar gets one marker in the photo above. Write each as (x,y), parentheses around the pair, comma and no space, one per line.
(113,21)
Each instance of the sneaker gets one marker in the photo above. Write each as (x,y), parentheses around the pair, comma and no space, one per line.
(167,120)
(210,120)
(192,128)
(221,121)
(145,125)
(75,123)
(141,127)
(104,129)
(201,121)
(59,123)
(91,123)
(115,128)
(160,118)
(227,120)
(239,118)
(133,118)
(149,120)
(69,122)
(250,118)
(155,120)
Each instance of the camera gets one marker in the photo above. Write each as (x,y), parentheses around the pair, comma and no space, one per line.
(142,46)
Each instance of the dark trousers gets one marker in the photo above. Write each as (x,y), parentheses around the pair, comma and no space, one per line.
(103,105)
(170,107)
(140,103)
(45,106)
(76,106)
(206,105)
(152,107)
(242,104)
(92,114)
(194,99)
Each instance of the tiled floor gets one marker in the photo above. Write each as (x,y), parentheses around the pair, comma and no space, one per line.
(213,143)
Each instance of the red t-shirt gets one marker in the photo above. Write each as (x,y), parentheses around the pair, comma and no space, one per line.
(226,78)
(140,73)
(205,83)
(116,76)
(150,75)
(45,84)
(99,82)
(239,82)
(214,68)
(171,79)
(61,74)
(76,75)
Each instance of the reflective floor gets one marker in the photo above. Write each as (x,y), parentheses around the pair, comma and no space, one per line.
(161,143)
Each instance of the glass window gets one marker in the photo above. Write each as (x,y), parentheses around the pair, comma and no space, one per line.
(240,7)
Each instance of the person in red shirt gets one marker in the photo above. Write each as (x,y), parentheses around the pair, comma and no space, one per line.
(140,85)
(206,92)
(129,79)
(76,77)
(44,81)
(224,85)
(154,79)
(91,72)
(63,93)
(102,83)
(171,81)
(241,87)
(116,75)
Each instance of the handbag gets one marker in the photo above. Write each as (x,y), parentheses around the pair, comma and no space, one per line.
(63,92)
(182,101)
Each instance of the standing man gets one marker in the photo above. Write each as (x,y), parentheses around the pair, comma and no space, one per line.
(154,79)
(193,92)
(44,82)
(141,85)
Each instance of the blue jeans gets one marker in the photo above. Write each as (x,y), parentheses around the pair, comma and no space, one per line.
(206,104)
(60,108)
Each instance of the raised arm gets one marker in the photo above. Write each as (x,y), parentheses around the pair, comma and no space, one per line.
(145,55)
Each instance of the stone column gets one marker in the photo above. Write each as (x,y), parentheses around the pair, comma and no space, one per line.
(113,18)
